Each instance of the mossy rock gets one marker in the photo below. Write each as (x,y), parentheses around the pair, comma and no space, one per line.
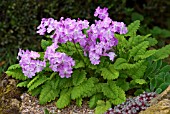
(9,96)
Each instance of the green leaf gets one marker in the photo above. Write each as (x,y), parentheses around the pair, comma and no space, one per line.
(83,88)
(138,72)
(64,99)
(110,73)
(110,91)
(79,102)
(65,83)
(78,77)
(146,54)
(165,69)
(46,111)
(15,66)
(152,41)
(140,49)
(102,107)
(48,93)
(23,84)
(137,16)
(17,74)
(93,101)
(79,64)
(138,92)
(157,31)
(140,81)
(70,48)
(164,85)
(33,80)
(162,53)
(121,64)
(121,97)
(133,27)
(38,82)
(158,91)
(122,83)
(36,91)
(45,44)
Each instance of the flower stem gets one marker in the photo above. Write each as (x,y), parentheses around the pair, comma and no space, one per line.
(79,52)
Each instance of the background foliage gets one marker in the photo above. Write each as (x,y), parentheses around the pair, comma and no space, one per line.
(19,19)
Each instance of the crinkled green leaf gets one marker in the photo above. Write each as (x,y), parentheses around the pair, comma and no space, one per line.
(16,73)
(48,93)
(64,99)
(93,101)
(132,28)
(15,66)
(102,107)
(78,77)
(23,84)
(110,73)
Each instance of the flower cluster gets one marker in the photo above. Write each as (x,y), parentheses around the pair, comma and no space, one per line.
(133,105)
(101,36)
(29,64)
(64,30)
(96,40)
(59,62)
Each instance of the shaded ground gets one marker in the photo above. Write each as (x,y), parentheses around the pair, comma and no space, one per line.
(9,96)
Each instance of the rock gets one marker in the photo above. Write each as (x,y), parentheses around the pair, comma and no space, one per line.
(160,104)
(9,95)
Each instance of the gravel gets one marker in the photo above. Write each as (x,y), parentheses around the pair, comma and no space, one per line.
(30,105)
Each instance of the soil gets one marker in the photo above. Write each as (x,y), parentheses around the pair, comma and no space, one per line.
(15,100)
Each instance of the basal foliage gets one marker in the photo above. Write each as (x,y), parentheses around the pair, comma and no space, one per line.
(135,67)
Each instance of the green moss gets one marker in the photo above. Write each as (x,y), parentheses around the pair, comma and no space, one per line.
(8,92)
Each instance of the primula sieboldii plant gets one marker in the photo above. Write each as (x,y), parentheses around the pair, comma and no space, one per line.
(79,62)
(96,42)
